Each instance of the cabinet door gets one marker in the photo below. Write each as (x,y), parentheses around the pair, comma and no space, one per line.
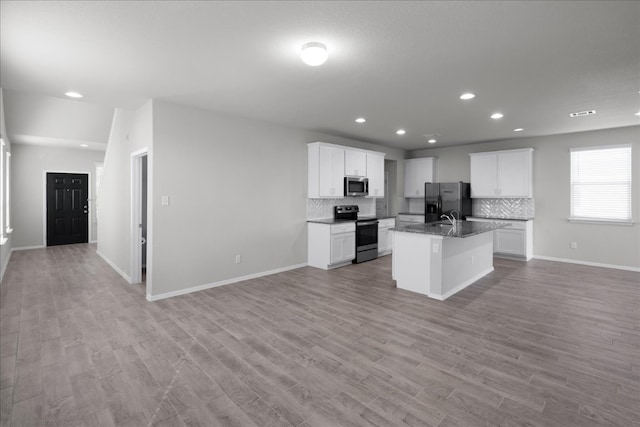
(375,173)
(416,173)
(355,163)
(510,242)
(331,180)
(343,247)
(514,174)
(484,179)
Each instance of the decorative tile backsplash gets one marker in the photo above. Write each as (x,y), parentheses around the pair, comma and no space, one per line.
(504,208)
(323,208)
(416,206)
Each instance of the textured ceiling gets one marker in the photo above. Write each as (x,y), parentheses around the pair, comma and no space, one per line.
(399,64)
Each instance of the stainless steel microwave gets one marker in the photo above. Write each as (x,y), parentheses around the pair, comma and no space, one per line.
(356,186)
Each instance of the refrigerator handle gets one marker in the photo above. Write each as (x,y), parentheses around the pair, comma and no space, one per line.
(439,207)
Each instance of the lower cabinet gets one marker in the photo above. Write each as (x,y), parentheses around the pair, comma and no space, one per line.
(513,241)
(343,247)
(330,245)
(385,242)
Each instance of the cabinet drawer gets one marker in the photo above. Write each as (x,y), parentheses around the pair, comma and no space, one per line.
(387,223)
(343,228)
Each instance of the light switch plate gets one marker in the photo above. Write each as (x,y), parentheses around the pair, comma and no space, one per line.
(165,200)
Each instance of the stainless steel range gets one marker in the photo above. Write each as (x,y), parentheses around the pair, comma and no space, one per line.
(366,232)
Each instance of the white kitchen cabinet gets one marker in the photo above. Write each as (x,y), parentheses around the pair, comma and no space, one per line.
(330,245)
(355,163)
(328,164)
(326,171)
(502,174)
(375,174)
(416,173)
(385,242)
(513,241)
(415,218)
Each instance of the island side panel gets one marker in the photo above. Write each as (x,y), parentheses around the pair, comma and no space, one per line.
(415,266)
(464,261)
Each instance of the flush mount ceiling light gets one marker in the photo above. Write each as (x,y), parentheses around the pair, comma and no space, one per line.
(401,131)
(582,113)
(84,145)
(467,96)
(496,116)
(361,120)
(314,53)
(432,141)
(518,130)
(72,94)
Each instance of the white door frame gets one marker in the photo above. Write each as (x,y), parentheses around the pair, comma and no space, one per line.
(44,203)
(136,218)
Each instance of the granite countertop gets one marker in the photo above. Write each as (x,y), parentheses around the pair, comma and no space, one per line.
(495,218)
(343,221)
(444,228)
(411,213)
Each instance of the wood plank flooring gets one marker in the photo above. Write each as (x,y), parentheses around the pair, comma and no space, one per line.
(532,344)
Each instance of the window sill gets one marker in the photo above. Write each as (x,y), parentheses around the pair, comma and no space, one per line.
(9,230)
(601,221)
(3,240)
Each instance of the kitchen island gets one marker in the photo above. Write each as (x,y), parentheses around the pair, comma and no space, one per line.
(437,259)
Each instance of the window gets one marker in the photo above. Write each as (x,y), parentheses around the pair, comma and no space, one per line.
(601,184)
(7,200)
(3,239)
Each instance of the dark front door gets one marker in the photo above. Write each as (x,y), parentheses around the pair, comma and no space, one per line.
(67,208)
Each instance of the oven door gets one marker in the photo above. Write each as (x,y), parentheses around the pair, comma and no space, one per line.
(366,235)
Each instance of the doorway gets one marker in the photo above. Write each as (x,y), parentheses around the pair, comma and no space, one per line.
(67,208)
(140,236)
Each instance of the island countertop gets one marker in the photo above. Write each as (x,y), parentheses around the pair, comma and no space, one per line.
(445,229)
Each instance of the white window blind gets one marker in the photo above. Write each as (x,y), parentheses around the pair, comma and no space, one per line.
(601,183)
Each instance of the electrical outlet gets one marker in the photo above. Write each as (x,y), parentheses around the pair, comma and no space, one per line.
(165,201)
(436,248)
(574,245)
(238,259)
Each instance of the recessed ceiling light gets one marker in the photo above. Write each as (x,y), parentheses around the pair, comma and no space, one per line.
(518,130)
(361,120)
(467,95)
(497,116)
(401,131)
(84,145)
(432,141)
(314,53)
(72,94)
(582,113)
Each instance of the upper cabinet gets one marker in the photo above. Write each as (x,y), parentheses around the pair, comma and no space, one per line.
(502,174)
(375,173)
(416,173)
(355,163)
(328,164)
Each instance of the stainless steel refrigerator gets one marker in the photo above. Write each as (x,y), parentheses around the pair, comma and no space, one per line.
(445,197)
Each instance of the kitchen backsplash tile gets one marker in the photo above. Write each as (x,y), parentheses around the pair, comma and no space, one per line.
(416,206)
(323,208)
(504,208)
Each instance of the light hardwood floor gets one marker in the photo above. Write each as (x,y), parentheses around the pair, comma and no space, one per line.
(532,344)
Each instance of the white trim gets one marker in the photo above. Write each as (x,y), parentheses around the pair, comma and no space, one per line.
(135,261)
(9,230)
(589,263)
(600,147)
(3,240)
(223,282)
(44,201)
(600,221)
(114,266)
(3,269)
(28,248)
(461,286)
(93,241)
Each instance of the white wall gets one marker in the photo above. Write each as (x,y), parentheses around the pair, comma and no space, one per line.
(236,187)
(27,186)
(606,244)
(130,131)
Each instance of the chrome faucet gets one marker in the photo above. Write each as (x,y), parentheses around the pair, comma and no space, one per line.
(452,219)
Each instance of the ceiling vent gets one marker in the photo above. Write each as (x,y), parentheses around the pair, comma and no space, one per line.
(583,113)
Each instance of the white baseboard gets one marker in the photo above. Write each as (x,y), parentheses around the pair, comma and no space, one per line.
(93,241)
(27,248)
(592,264)
(223,282)
(461,286)
(3,268)
(114,266)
